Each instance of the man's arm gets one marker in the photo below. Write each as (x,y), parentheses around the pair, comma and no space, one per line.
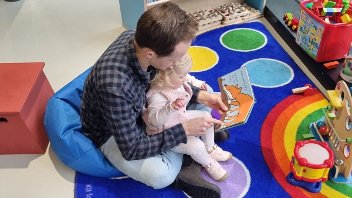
(128,129)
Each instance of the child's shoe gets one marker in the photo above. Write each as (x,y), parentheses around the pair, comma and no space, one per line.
(218,154)
(215,171)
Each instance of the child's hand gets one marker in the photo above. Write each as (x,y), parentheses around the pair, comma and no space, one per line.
(177,104)
(204,87)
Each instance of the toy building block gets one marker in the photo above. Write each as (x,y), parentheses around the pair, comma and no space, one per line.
(345,6)
(346,18)
(309,5)
(331,115)
(334,99)
(299,89)
(331,65)
(329,4)
(308,136)
(330,11)
(307,90)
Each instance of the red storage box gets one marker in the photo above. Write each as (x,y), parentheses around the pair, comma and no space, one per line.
(24,92)
(321,40)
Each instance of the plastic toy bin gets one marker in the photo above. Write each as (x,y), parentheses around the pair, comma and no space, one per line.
(321,40)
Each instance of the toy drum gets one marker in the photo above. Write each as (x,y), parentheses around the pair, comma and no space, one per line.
(311,161)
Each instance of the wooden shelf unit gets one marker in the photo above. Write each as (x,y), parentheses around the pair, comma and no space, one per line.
(131,10)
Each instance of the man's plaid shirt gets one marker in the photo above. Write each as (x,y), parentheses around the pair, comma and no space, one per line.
(113,98)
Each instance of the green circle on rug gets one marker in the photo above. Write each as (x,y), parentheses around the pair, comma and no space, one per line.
(243,39)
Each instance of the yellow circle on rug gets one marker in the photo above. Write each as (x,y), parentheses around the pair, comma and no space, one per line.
(203,58)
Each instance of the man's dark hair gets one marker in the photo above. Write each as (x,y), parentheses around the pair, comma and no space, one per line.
(163,26)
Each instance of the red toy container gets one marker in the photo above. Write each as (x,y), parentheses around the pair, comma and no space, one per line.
(321,40)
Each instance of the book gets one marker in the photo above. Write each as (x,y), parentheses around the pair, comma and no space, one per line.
(237,93)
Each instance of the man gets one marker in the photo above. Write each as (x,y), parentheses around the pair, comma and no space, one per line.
(114,96)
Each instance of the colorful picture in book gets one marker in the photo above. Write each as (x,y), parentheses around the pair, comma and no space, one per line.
(237,93)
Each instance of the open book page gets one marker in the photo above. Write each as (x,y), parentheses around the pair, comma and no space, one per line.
(237,93)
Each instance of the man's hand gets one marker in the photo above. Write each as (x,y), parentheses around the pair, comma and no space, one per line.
(212,100)
(198,126)
(204,87)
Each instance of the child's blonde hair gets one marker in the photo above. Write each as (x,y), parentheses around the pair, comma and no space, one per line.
(162,77)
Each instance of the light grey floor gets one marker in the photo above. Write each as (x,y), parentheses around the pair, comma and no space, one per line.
(69,36)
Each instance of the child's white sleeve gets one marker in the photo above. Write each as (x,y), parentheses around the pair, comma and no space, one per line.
(194,81)
(159,110)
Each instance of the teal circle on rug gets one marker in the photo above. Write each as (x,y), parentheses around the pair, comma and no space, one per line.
(243,39)
(269,73)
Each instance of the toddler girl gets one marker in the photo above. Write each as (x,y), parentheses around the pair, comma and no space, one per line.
(167,100)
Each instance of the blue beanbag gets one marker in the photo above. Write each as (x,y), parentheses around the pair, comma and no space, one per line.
(63,125)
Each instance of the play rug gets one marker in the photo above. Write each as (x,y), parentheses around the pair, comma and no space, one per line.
(264,145)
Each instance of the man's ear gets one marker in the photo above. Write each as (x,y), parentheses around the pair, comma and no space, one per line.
(149,53)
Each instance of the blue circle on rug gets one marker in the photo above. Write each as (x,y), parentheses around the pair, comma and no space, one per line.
(269,73)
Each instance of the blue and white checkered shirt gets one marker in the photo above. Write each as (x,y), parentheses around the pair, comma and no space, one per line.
(113,98)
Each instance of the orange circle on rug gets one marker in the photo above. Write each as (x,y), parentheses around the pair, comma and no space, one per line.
(203,58)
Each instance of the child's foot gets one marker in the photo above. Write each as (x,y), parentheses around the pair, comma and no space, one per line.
(215,171)
(218,154)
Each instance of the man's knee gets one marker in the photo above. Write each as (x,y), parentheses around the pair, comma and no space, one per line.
(159,178)
(162,172)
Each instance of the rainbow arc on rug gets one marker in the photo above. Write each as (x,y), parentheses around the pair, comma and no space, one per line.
(264,145)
